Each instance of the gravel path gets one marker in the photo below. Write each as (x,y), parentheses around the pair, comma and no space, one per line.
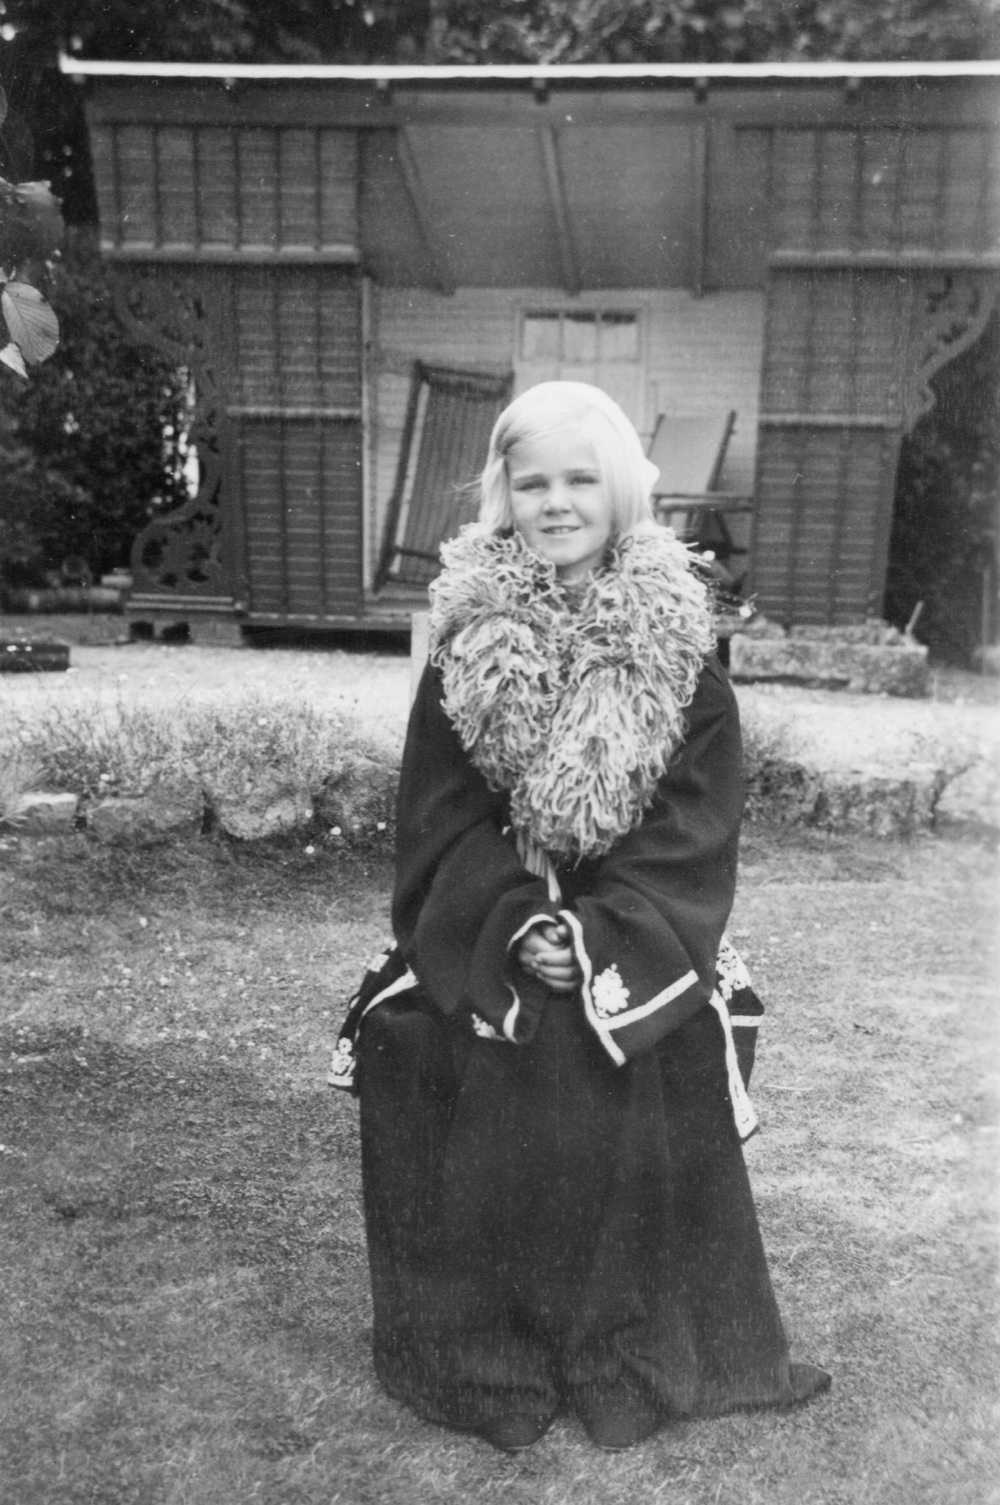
(369,689)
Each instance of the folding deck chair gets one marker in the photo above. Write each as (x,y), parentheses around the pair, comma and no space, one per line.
(448,423)
(690,454)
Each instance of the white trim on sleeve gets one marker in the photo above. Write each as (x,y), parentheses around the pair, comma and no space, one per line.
(408,980)
(667,995)
(536,919)
(743,1114)
(598,1025)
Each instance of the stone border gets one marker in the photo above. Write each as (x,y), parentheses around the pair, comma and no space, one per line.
(356,809)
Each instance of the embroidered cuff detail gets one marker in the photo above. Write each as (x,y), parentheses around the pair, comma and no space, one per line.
(342,1066)
(343,1063)
(659,1001)
(744,1116)
(590,1009)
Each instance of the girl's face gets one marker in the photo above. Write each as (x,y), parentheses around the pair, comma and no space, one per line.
(559,501)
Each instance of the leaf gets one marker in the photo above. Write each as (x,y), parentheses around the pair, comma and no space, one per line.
(44,211)
(31,322)
(12,357)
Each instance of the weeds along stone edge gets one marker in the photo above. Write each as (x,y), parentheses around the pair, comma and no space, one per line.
(356,810)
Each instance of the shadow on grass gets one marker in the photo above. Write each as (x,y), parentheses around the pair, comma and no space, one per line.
(184,1258)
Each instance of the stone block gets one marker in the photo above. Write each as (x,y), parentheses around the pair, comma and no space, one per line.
(899,669)
(872,802)
(971,798)
(781,791)
(266,811)
(360,803)
(41,814)
(144,818)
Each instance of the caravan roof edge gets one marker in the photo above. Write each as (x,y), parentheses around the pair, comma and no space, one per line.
(605,73)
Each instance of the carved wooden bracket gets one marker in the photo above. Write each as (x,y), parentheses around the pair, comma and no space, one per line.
(950,312)
(182,553)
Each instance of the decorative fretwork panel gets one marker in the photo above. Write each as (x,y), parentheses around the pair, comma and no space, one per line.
(849,359)
(177,188)
(950,310)
(183,554)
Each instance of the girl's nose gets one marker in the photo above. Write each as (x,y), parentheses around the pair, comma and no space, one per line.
(557,499)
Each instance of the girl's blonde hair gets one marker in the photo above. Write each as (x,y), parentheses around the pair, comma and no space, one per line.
(555,407)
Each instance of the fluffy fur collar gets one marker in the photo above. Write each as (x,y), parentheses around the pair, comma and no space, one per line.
(573,702)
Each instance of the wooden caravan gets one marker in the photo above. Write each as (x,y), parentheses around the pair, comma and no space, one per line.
(358,266)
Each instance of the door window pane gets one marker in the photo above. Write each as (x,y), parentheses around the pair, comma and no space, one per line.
(540,337)
(579,338)
(619,337)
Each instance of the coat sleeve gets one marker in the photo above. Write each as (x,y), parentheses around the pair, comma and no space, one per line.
(648,919)
(462,896)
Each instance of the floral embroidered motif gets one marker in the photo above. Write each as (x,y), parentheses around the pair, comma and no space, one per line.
(483,1030)
(610,993)
(731,975)
(342,1065)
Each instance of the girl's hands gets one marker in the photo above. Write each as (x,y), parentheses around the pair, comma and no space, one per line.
(545,952)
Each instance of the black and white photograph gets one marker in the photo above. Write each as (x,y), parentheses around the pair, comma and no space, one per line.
(499,752)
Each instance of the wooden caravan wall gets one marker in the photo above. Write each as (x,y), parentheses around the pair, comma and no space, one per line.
(259,224)
(296,408)
(698,355)
(883,245)
(216,189)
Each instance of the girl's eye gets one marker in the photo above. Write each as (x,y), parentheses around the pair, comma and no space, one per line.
(584,478)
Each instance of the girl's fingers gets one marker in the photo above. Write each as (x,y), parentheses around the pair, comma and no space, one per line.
(561,958)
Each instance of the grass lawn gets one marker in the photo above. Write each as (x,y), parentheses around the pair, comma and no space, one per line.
(182,1258)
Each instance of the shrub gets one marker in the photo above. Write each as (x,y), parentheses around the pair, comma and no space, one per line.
(225,750)
(89,447)
(943,550)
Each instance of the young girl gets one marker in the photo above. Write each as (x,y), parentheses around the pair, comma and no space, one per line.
(558,1213)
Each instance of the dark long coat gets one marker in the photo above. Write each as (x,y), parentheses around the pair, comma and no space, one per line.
(557,1207)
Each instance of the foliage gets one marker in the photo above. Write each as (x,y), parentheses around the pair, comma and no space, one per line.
(31,231)
(88,449)
(224,749)
(945,550)
(501,30)
(711,30)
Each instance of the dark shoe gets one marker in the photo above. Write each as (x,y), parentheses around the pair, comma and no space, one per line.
(512,1434)
(807,1380)
(616,1426)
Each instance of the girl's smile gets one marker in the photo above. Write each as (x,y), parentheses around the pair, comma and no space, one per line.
(559,501)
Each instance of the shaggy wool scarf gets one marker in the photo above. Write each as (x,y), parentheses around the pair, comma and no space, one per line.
(571,700)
